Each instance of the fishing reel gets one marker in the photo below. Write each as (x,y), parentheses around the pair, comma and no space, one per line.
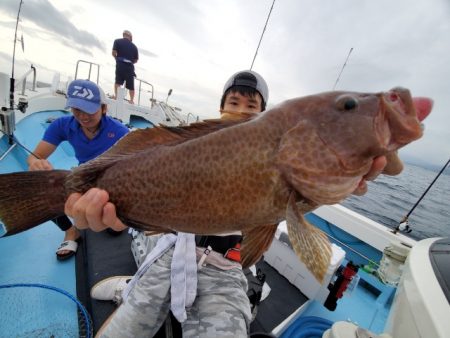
(404,227)
(22,105)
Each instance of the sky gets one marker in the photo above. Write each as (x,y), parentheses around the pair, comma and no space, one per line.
(193,47)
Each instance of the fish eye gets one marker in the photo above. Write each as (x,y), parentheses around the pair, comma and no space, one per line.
(346,102)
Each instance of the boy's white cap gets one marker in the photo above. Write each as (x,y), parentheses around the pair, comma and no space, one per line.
(248,78)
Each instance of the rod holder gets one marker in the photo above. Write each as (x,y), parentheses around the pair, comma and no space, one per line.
(8,121)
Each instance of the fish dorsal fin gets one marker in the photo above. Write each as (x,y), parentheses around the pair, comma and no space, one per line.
(142,139)
(82,178)
(235,116)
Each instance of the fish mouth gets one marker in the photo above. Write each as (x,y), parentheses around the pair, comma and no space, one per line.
(400,121)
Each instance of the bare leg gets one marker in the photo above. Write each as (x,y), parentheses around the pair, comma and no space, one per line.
(131,96)
(115,90)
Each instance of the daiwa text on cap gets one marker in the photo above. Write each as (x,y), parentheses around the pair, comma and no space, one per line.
(85,95)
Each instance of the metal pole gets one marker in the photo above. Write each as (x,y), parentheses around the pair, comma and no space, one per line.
(11,82)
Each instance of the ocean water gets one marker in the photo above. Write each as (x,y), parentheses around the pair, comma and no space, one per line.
(390,198)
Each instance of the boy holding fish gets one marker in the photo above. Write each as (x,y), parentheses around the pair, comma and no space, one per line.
(221,305)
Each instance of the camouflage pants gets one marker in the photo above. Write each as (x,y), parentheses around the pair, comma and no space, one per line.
(221,308)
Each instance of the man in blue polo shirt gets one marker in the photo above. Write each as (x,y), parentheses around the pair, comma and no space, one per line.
(126,54)
(89,131)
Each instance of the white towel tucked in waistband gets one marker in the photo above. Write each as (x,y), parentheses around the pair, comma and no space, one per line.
(183,271)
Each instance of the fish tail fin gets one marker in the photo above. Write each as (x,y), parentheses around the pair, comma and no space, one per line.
(310,243)
(30,198)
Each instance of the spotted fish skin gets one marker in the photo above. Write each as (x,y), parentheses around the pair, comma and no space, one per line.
(242,176)
(220,176)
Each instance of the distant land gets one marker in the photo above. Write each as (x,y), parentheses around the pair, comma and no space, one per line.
(426,165)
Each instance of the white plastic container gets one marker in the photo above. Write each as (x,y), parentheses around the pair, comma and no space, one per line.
(392,263)
(283,258)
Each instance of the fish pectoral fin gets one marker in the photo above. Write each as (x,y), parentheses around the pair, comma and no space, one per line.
(310,243)
(394,164)
(256,241)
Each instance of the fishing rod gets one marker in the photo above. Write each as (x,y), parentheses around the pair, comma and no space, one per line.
(7,116)
(404,222)
(11,81)
(343,66)
(262,34)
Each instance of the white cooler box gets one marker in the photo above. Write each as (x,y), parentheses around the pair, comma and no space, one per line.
(283,258)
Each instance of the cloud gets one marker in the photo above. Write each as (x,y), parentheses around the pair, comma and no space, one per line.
(181,17)
(193,46)
(8,24)
(44,15)
(145,52)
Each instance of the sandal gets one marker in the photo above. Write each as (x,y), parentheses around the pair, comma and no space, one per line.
(70,246)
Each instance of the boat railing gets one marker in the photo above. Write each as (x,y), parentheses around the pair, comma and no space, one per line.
(143,82)
(91,64)
(196,118)
(172,114)
(348,247)
(23,80)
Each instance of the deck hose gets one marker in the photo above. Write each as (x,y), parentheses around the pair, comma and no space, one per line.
(307,327)
(82,309)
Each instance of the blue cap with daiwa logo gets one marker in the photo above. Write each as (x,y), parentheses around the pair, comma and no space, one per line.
(85,95)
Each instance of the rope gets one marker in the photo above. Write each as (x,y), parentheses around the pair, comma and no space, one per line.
(84,313)
(23,147)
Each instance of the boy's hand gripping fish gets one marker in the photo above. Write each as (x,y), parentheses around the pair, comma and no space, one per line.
(220,176)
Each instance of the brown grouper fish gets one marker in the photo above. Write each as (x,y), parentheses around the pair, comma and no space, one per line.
(220,176)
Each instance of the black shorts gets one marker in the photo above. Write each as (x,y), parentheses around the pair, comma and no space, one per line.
(125,73)
(63,222)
